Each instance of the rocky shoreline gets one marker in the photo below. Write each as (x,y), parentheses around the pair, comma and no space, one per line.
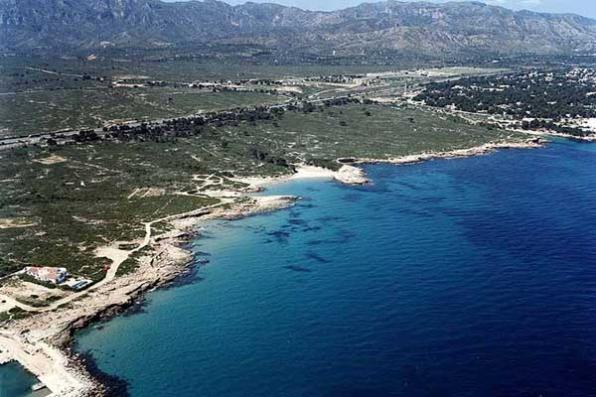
(531,143)
(43,342)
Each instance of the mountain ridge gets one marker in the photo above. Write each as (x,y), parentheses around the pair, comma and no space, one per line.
(395,26)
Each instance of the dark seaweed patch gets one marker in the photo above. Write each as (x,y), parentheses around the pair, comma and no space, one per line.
(312,229)
(308,205)
(137,307)
(298,268)
(409,185)
(190,275)
(316,257)
(293,213)
(343,236)
(281,236)
(113,386)
(328,219)
(297,222)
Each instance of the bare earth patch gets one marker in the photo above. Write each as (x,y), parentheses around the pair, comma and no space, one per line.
(53,159)
(11,223)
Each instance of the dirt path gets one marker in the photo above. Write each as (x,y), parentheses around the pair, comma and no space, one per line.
(53,72)
(116,255)
(47,362)
(209,181)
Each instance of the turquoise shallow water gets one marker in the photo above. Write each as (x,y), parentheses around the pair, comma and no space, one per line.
(469,277)
(15,381)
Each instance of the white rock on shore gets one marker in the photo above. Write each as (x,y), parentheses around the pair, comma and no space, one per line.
(351,175)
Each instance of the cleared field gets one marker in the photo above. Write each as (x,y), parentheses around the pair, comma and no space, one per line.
(58,204)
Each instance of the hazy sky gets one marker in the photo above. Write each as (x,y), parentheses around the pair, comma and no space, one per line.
(582,7)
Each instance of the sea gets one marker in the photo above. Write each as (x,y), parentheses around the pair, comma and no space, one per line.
(465,277)
(16,382)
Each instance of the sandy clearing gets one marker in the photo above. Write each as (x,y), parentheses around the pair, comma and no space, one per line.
(53,159)
(13,223)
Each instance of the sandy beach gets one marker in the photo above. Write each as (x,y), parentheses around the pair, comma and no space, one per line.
(346,174)
(41,342)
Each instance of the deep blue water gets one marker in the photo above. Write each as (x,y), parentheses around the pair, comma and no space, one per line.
(468,277)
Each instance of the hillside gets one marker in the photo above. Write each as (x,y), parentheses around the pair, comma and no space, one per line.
(392,27)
